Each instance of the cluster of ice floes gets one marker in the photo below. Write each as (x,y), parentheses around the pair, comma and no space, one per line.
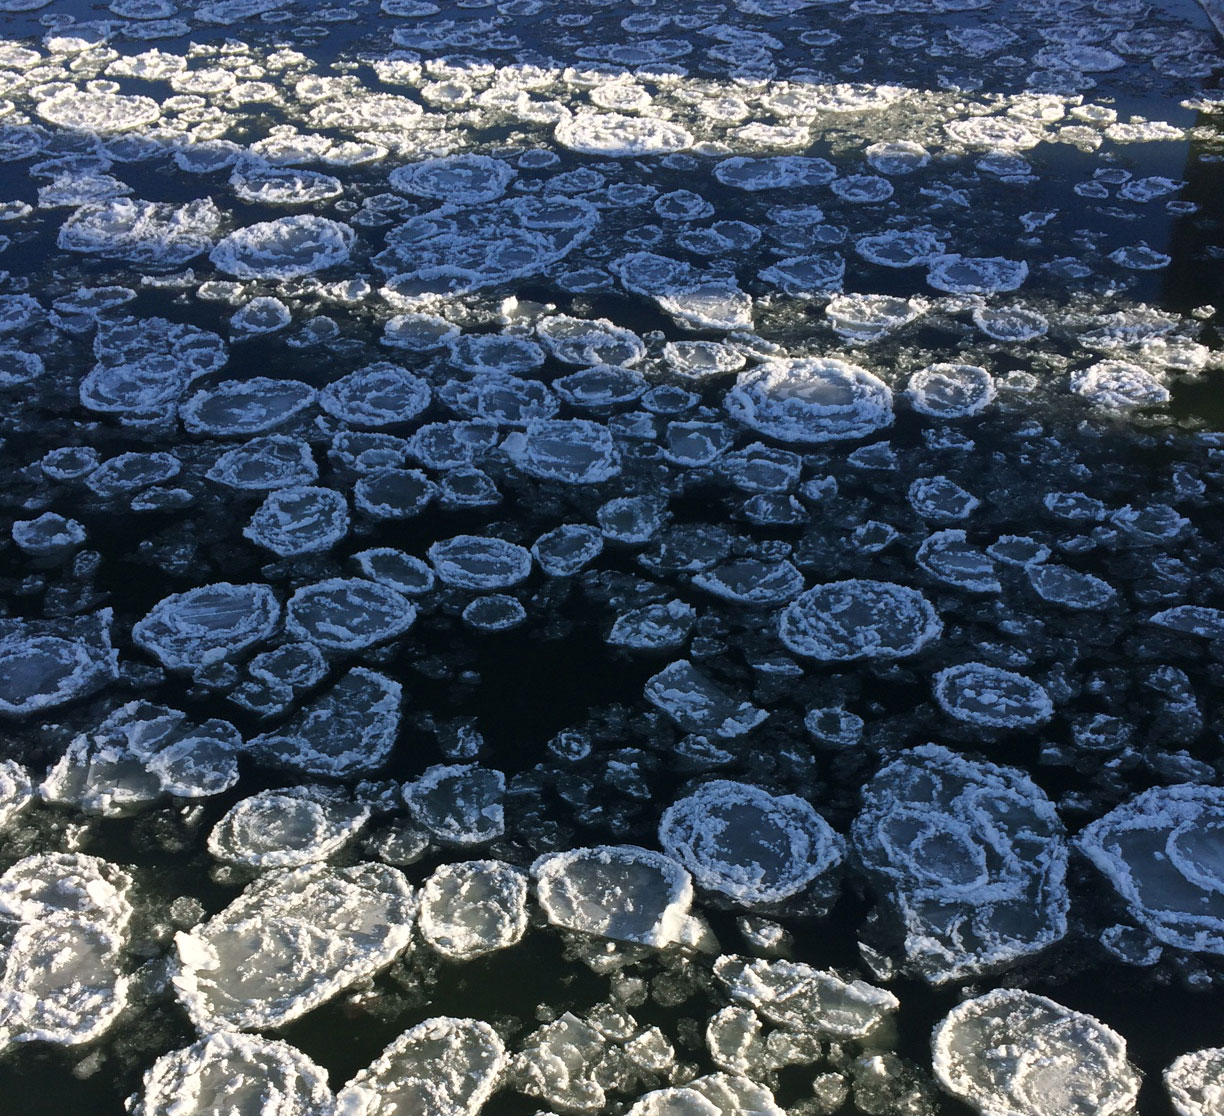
(500,501)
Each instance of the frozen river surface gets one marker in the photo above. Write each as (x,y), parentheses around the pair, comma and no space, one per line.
(652,558)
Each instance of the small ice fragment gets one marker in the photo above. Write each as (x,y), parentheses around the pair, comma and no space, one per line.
(980,694)
(859,619)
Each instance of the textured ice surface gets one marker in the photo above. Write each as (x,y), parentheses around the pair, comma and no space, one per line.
(292,940)
(614,134)
(459,804)
(287,828)
(1013,1053)
(798,997)
(42,666)
(1195,1082)
(473,907)
(810,400)
(969,859)
(236,408)
(951,390)
(444,1066)
(747,844)
(235,1074)
(381,394)
(572,451)
(350,728)
(1118,385)
(264,463)
(986,695)
(156,235)
(286,248)
(697,704)
(207,625)
(348,613)
(1163,852)
(299,520)
(474,562)
(616,891)
(859,619)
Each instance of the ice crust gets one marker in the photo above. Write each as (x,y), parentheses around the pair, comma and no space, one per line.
(969,859)
(207,625)
(1194,1082)
(473,907)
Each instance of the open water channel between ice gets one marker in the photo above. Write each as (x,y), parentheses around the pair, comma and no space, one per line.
(653,558)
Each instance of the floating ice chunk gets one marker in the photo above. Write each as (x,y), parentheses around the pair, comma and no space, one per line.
(957,274)
(1195,1082)
(74,886)
(994,132)
(940,498)
(292,940)
(948,556)
(419,333)
(459,805)
(1010,323)
(240,1075)
(496,352)
(348,614)
(655,627)
(1070,588)
(473,908)
(394,493)
(130,472)
(140,753)
(351,728)
(984,695)
(1161,852)
(752,581)
(505,401)
(155,235)
(561,1063)
(235,408)
(859,619)
(573,451)
(798,997)
(277,186)
(286,828)
(299,520)
(749,845)
(777,172)
(207,625)
(444,1066)
(696,704)
(810,400)
(79,110)
(478,562)
(61,982)
(1018,550)
(1013,1053)
(699,360)
(620,892)
(1117,385)
(264,464)
(380,394)
(262,315)
(456,179)
(618,136)
(287,248)
(631,519)
(900,248)
(48,536)
(1196,620)
(497,612)
(600,386)
(1140,257)
(580,341)
(862,188)
(16,790)
(402,572)
(951,390)
(862,318)
(807,276)
(897,156)
(565,550)
(969,858)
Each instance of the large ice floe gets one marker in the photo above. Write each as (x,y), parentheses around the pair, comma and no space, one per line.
(969,860)
(292,940)
(1013,1053)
